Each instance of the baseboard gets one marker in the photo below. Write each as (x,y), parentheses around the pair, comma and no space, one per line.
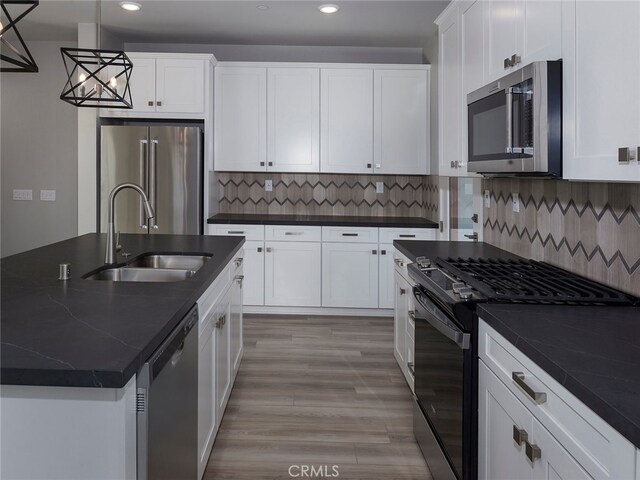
(328,311)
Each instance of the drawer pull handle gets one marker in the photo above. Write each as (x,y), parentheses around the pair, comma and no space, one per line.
(294,233)
(406,235)
(259,249)
(412,315)
(268,249)
(235,232)
(239,279)
(412,368)
(399,262)
(520,435)
(238,261)
(532,452)
(537,397)
(349,234)
(375,252)
(383,252)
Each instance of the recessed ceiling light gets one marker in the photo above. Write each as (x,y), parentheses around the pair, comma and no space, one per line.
(329,8)
(130,6)
(262,7)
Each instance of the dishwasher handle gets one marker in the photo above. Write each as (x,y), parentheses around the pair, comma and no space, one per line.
(168,355)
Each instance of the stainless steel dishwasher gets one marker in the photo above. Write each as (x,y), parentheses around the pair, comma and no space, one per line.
(167,407)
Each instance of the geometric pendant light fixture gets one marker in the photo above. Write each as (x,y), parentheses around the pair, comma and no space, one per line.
(97,78)
(14,54)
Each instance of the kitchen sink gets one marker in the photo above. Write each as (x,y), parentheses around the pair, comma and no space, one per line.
(156,261)
(132,274)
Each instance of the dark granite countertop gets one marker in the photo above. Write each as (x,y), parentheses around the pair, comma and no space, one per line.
(594,352)
(322,220)
(94,333)
(443,249)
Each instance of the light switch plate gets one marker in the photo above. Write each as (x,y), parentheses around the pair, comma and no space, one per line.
(268,185)
(516,202)
(379,187)
(48,195)
(23,194)
(487,199)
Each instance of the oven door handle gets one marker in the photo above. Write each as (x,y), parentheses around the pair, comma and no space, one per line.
(438,321)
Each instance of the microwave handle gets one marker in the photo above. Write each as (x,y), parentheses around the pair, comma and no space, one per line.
(509,110)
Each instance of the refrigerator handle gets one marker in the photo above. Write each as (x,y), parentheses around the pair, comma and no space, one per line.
(142,158)
(151,191)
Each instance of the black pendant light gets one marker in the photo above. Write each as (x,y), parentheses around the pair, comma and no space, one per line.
(97,78)
(15,56)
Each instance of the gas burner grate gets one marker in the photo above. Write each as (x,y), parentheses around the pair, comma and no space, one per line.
(531,282)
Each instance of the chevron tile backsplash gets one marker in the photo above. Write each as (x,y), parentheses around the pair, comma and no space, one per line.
(328,194)
(590,228)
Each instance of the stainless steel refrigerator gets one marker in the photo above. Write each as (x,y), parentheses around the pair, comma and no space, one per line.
(166,161)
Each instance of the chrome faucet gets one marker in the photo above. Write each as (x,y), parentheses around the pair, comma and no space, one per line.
(112,241)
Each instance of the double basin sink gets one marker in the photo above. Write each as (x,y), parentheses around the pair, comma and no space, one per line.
(152,267)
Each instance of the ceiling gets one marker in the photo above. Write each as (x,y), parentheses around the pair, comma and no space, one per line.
(382,23)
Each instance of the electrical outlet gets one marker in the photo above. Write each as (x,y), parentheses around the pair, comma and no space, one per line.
(379,187)
(23,194)
(516,202)
(487,199)
(268,185)
(48,195)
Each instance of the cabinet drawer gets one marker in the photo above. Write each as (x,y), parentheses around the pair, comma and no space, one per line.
(293,233)
(597,446)
(350,234)
(388,235)
(251,232)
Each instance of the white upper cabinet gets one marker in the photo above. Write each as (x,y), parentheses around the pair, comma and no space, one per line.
(179,85)
(143,84)
(601,101)
(473,52)
(293,119)
(346,120)
(240,119)
(520,32)
(166,84)
(401,121)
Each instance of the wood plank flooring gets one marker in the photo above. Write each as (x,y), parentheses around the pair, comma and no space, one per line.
(318,391)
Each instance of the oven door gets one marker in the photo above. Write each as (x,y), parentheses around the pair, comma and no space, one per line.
(442,387)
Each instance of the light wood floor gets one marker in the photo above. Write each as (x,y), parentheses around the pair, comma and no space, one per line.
(318,391)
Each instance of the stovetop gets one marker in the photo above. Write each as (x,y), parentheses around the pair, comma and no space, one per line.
(467,281)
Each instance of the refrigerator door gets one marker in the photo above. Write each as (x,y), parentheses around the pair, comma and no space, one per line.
(123,158)
(175,179)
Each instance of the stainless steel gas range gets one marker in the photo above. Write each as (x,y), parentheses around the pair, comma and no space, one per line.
(446,361)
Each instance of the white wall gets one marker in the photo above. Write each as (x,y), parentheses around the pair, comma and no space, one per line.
(283,53)
(39,150)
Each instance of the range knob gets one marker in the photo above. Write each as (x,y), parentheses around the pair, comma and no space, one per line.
(465,293)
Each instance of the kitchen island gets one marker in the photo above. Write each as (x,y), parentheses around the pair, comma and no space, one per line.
(71,349)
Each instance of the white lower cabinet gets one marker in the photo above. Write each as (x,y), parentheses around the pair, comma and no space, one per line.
(554,436)
(292,274)
(219,352)
(385,278)
(253,266)
(350,275)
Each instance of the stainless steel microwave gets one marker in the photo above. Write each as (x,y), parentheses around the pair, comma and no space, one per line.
(515,123)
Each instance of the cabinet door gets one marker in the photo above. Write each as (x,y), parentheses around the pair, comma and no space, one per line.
(541,36)
(143,85)
(385,276)
(346,120)
(236,320)
(350,275)
(206,394)
(253,271)
(555,463)
(450,95)
(222,332)
(240,111)
(179,85)
(473,51)
(499,411)
(600,114)
(400,318)
(292,274)
(504,18)
(293,119)
(401,122)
